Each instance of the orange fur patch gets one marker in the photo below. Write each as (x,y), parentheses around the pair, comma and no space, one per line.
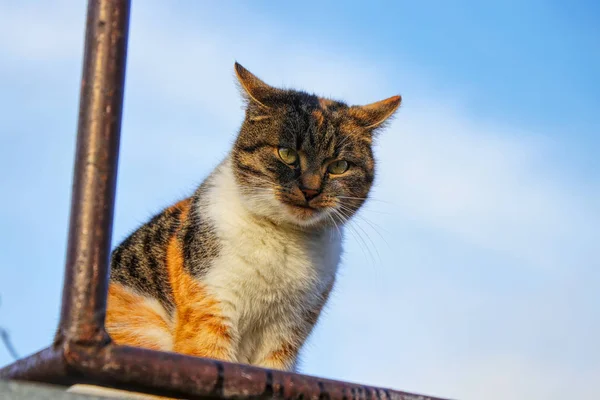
(200,329)
(318,115)
(284,355)
(183,206)
(311,180)
(131,321)
(325,103)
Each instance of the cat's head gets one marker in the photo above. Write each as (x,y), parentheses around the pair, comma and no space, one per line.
(302,159)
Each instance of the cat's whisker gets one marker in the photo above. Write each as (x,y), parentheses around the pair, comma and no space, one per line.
(365,206)
(365,198)
(340,219)
(361,242)
(330,216)
(373,225)
(337,226)
(376,228)
(365,234)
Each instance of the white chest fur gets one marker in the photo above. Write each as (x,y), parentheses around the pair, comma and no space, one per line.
(265,276)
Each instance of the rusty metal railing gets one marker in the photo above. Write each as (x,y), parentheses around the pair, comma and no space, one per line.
(82,351)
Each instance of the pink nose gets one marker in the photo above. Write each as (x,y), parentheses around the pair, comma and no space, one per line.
(309,194)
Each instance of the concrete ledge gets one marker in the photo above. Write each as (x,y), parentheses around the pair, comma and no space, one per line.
(13,390)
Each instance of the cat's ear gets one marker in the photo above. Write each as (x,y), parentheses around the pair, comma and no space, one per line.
(374,115)
(255,90)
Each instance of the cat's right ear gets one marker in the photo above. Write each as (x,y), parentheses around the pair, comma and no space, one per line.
(255,90)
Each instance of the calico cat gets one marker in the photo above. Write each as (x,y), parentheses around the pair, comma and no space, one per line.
(241,270)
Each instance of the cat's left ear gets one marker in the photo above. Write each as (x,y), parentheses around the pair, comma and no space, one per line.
(255,90)
(374,115)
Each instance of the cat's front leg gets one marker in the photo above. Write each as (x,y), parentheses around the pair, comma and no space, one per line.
(202,330)
(279,349)
(281,342)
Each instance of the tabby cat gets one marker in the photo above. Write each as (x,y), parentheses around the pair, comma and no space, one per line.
(240,270)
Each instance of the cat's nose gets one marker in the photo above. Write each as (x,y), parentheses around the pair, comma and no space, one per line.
(310,194)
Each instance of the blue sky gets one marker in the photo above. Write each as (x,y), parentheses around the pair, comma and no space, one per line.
(472,273)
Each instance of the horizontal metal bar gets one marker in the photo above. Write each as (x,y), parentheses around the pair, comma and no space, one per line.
(47,366)
(176,375)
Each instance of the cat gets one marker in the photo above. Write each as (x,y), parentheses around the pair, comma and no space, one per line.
(241,270)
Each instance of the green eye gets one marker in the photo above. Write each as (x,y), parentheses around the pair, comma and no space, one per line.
(338,167)
(288,156)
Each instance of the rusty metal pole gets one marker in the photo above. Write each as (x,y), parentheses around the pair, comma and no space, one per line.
(95,172)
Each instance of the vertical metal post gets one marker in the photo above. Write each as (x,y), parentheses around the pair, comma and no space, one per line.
(95,172)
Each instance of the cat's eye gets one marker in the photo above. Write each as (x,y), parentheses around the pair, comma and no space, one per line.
(338,167)
(288,156)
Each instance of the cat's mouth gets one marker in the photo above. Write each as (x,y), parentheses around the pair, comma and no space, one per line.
(303,207)
(303,210)
(306,212)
